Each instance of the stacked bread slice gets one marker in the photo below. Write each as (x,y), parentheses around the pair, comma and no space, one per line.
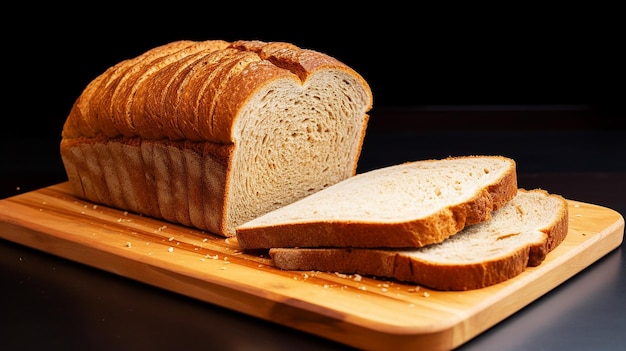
(457,223)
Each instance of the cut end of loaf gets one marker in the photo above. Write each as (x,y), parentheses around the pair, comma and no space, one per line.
(314,142)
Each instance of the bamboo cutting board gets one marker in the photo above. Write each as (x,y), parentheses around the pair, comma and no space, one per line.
(361,312)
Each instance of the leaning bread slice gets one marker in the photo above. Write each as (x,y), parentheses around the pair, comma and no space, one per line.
(407,205)
(520,234)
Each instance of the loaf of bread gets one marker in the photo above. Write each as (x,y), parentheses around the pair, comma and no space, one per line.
(407,205)
(212,134)
(518,235)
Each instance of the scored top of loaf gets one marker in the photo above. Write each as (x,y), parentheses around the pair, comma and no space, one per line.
(197,89)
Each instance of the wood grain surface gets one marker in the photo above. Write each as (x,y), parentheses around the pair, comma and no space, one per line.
(362,312)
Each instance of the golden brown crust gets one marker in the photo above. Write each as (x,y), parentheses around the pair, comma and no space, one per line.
(215,125)
(491,199)
(392,265)
(183,99)
(460,277)
(110,101)
(115,103)
(555,235)
(146,82)
(136,175)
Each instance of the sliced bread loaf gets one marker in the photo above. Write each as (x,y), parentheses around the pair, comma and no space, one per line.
(212,134)
(520,234)
(406,205)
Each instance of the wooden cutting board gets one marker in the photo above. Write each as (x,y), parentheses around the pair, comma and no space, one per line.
(361,312)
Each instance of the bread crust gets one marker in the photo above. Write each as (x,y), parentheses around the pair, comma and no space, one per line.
(136,174)
(239,70)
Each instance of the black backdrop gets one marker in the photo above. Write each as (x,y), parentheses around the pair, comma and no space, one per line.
(411,55)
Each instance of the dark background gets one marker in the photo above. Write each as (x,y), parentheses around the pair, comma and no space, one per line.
(542,85)
(412,55)
(415,58)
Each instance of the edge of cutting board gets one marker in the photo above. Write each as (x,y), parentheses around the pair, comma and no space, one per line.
(358,311)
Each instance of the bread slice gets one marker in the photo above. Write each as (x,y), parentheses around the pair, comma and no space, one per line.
(407,205)
(520,234)
(212,134)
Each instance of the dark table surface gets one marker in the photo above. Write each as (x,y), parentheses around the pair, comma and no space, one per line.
(51,303)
